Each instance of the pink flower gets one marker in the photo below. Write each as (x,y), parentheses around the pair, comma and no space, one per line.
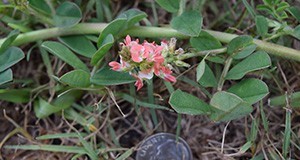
(165,73)
(144,60)
(137,52)
(115,66)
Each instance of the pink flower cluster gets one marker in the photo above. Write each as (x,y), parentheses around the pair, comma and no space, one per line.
(142,60)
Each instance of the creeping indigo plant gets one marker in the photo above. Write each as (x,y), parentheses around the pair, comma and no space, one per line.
(144,60)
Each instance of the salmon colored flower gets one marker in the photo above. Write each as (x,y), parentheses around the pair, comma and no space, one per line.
(144,60)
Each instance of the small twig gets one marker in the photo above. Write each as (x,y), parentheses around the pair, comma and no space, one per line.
(223,137)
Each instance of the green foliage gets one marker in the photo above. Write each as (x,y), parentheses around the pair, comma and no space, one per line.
(205,41)
(6,76)
(40,6)
(67,14)
(185,103)
(295,11)
(106,76)
(76,78)
(256,61)
(8,41)
(261,25)
(188,23)
(15,95)
(250,90)
(169,5)
(64,54)
(101,52)
(79,44)
(227,106)
(241,47)
(43,108)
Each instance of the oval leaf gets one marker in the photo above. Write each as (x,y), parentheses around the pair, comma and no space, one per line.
(8,41)
(208,78)
(185,103)
(250,90)
(40,6)
(238,44)
(64,54)
(101,52)
(67,14)
(169,5)
(256,61)
(261,25)
(228,106)
(114,28)
(6,76)
(43,109)
(200,70)
(79,44)
(15,95)
(295,11)
(76,78)
(106,76)
(10,57)
(188,23)
(205,41)
(133,16)
(245,51)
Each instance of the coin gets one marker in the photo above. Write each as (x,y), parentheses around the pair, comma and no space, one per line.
(163,146)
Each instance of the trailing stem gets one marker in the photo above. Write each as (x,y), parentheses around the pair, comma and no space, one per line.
(150,32)
(224,73)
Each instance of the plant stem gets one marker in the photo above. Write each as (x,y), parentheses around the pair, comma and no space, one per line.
(150,32)
(202,53)
(224,73)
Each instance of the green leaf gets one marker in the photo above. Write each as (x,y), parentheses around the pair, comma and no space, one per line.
(43,109)
(250,90)
(205,41)
(8,41)
(188,23)
(133,16)
(114,28)
(282,6)
(265,8)
(59,135)
(79,44)
(6,76)
(126,154)
(238,44)
(103,49)
(51,148)
(208,78)
(40,6)
(67,14)
(294,100)
(261,25)
(106,76)
(185,103)
(133,100)
(15,95)
(296,32)
(200,70)
(295,11)
(169,5)
(256,61)
(249,8)
(245,147)
(245,51)
(76,78)
(64,54)
(228,106)
(10,57)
